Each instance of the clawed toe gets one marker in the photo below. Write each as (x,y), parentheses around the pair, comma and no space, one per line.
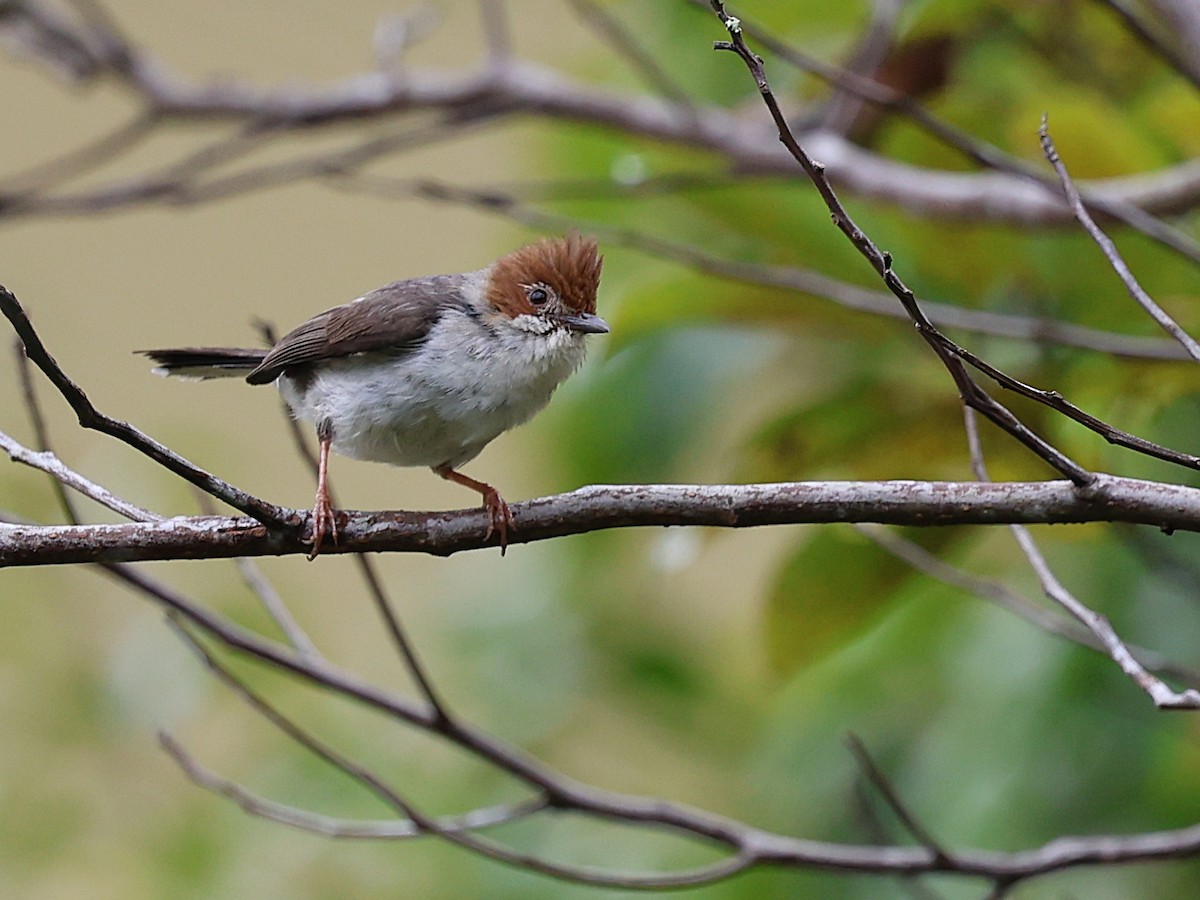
(324,523)
(500,518)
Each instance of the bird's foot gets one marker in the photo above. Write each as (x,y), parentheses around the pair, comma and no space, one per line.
(324,523)
(500,518)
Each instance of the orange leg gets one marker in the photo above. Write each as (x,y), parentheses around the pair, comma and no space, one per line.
(499,517)
(324,520)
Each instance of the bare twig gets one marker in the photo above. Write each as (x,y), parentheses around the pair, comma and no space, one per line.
(305,820)
(180,184)
(431,826)
(497,32)
(877,832)
(1109,249)
(41,433)
(90,417)
(624,42)
(499,93)
(398,32)
(79,160)
(891,796)
(1005,597)
(61,475)
(871,49)
(1163,696)
(47,462)
(1183,63)
(262,588)
(300,736)
(1054,400)
(275,607)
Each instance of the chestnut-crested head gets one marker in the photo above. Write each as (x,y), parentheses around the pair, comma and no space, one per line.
(550,284)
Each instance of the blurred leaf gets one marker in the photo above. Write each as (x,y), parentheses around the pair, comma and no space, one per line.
(645,404)
(867,428)
(825,595)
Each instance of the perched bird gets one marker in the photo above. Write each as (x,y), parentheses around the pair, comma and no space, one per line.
(426,372)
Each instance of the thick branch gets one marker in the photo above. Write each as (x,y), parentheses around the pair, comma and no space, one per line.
(499,92)
(1108,499)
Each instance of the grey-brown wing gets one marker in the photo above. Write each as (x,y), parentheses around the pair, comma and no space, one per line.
(395,316)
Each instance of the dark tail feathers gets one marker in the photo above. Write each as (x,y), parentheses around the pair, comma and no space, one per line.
(204,362)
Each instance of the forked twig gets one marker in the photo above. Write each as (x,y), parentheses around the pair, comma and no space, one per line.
(891,796)
(90,417)
(328,826)
(1164,696)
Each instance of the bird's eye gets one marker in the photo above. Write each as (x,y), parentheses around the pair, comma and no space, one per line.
(538,296)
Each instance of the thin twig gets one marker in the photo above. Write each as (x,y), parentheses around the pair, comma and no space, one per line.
(47,462)
(626,43)
(1002,595)
(396,33)
(491,849)
(80,160)
(90,417)
(290,728)
(497,32)
(1164,697)
(1109,249)
(41,432)
(891,796)
(179,185)
(1054,400)
(273,603)
(1182,63)
(871,49)
(61,475)
(868,818)
(328,826)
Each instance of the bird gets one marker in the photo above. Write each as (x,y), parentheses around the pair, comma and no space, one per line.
(427,371)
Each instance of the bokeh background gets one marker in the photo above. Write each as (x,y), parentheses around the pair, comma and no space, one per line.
(721,669)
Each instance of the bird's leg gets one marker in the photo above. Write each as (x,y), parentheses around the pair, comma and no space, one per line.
(324,520)
(499,517)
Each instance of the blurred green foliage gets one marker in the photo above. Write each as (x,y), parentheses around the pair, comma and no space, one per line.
(999,735)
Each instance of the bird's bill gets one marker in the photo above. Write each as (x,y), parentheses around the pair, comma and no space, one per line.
(587,323)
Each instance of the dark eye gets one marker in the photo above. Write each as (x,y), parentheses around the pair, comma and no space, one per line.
(538,296)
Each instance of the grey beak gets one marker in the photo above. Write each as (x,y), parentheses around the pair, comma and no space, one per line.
(586,323)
